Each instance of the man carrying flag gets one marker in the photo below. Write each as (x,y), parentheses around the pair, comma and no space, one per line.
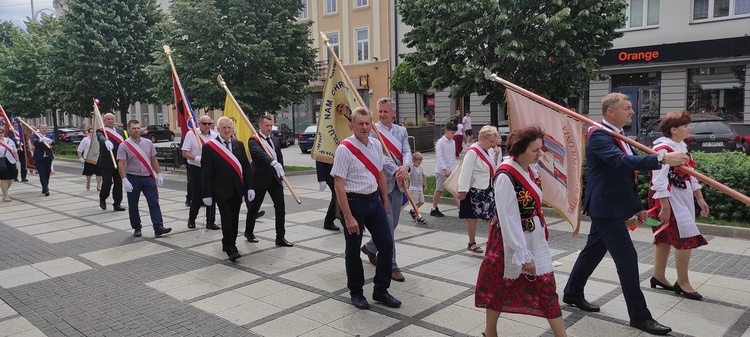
(110,138)
(191,150)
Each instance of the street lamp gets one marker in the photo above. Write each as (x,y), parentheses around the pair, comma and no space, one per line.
(35,14)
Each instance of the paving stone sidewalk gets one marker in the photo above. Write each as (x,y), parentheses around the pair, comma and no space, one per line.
(67,268)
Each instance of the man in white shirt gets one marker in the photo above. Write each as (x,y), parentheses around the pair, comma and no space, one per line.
(191,150)
(445,163)
(468,132)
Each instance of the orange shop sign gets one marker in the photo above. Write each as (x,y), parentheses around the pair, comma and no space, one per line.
(647,56)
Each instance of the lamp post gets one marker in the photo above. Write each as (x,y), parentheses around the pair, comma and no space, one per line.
(35,14)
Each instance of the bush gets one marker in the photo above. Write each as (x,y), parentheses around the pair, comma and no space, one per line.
(66,149)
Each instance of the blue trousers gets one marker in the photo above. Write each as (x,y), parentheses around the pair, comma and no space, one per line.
(147,185)
(610,235)
(44,167)
(370,214)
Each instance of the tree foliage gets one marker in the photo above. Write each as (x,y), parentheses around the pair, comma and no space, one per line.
(548,47)
(102,53)
(258,47)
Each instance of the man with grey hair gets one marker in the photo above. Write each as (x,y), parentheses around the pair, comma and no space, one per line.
(110,138)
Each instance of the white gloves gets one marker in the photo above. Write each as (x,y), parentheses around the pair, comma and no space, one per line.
(46,140)
(279,168)
(127,185)
(250,195)
(82,160)
(109,145)
(208,201)
(322,185)
(159,180)
(198,159)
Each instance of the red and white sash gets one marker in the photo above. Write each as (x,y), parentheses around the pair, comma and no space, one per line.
(391,143)
(362,152)
(534,190)
(141,156)
(113,135)
(227,155)
(6,146)
(484,157)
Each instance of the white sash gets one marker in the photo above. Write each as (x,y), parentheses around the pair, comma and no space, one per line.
(111,133)
(228,156)
(141,156)
(391,142)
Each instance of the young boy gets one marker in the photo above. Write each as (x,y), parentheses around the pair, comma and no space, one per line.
(417,184)
(445,162)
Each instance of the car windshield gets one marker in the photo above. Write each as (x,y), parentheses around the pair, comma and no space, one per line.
(698,128)
(311,128)
(274,128)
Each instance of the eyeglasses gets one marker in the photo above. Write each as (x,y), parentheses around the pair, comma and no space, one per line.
(204,123)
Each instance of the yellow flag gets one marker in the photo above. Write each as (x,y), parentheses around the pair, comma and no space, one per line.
(335,114)
(242,131)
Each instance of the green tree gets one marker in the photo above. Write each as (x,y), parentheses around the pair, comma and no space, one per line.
(7,30)
(259,48)
(548,47)
(102,53)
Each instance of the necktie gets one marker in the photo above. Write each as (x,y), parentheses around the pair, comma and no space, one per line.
(227,143)
(268,139)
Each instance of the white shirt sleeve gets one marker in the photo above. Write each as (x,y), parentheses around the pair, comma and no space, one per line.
(439,160)
(467,171)
(340,163)
(660,180)
(510,220)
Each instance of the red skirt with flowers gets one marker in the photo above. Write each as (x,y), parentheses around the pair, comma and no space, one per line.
(520,295)
(671,236)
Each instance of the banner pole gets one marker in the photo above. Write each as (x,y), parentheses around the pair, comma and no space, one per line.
(101,122)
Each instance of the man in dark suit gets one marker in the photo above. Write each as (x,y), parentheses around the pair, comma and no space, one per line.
(43,142)
(109,140)
(611,198)
(267,172)
(323,170)
(225,175)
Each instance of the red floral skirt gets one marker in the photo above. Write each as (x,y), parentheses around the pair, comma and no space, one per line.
(520,296)
(671,236)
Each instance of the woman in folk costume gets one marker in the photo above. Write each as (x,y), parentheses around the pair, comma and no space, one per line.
(516,273)
(672,204)
(9,156)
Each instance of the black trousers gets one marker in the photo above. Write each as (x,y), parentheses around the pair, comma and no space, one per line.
(111,177)
(370,214)
(195,188)
(230,218)
(22,159)
(44,167)
(277,195)
(331,213)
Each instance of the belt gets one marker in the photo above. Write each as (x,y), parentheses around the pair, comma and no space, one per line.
(358,196)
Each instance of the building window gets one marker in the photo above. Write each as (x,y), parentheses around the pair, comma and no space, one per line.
(361,3)
(363,44)
(718,9)
(717,90)
(333,38)
(303,11)
(642,13)
(331,6)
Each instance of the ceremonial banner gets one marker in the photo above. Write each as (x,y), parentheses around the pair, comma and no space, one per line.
(92,156)
(26,134)
(185,116)
(8,121)
(335,114)
(242,131)
(561,166)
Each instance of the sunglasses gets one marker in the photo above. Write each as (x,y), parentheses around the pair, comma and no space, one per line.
(204,123)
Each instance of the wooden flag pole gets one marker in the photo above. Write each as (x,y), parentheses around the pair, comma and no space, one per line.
(101,122)
(255,133)
(168,51)
(34,131)
(362,103)
(713,183)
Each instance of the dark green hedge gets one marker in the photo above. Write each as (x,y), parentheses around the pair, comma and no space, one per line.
(65,148)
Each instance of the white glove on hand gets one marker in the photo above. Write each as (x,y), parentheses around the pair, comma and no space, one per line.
(46,140)
(159,180)
(208,201)
(198,159)
(127,185)
(82,160)
(250,195)
(322,185)
(109,145)
(279,168)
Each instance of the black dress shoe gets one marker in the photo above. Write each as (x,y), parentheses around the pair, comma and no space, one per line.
(46,193)
(188,202)
(260,214)
(283,243)
(386,299)
(213,226)
(251,238)
(655,282)
(234,256)
(162,231)
(360,302)
(24,180)
(137,233)
(103,204)
(693,296)
(580,303)
(118,208)
(651,326)
(191,225)
(331,227)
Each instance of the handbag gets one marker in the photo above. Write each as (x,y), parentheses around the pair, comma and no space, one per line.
(3,161)
(451,184)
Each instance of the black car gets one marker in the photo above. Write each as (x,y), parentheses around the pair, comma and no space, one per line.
(157,132)
(707,133)
(284,134)
(73,135)
(307,138)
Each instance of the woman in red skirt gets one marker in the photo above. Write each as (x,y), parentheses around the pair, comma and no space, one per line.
(672,201)
(516,274)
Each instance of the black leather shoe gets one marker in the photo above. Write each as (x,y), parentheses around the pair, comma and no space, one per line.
(137,233)
(251,238)
(655,282)
(580,303)
(651,326)
(103,204)
(360,302)
(213,226)
(331,227)
(234,256)
(693,296)
(283,243)
(191,225)
(260,214)
(188,202)
(386,299)
(24,180)
(46,193)
(118,208)
(162,231)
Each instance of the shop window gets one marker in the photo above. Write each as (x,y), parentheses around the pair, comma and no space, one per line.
(642,13)
(719,9)
(718,91)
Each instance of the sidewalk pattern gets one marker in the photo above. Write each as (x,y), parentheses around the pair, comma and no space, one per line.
(67,268)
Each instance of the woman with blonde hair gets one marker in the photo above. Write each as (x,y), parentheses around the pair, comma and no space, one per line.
(9,158)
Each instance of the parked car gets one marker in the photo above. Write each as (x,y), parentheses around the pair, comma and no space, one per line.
(745,143)
(707,133)
(307,138)
(157,132)
(73,135)
(284,134)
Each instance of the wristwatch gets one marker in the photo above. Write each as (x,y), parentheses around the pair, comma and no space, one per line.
(660,158)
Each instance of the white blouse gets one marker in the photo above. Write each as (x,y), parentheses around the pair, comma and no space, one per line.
(680,200)
(9,154)
(474,166)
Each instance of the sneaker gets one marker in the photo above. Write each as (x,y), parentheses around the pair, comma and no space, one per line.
(436,212)
(421,221)
(413,215)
